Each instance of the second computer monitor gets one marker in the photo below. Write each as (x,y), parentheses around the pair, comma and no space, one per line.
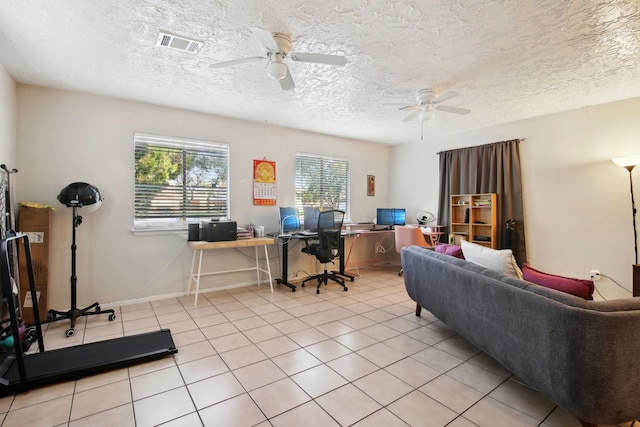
(311,217)
(391,216)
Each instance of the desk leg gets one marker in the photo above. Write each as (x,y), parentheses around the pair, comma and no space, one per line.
(342,261)
(193,269)
(285,267)
(257,265)
(266,259)
(195,303)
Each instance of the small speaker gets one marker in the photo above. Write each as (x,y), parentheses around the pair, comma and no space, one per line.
(194,232)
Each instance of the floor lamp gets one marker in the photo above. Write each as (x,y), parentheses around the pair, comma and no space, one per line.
(75,196)
(630,162)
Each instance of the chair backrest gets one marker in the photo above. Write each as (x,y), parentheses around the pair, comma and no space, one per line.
(329,229)
(407,236)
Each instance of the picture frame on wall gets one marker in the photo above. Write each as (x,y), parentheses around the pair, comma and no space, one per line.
(371,185)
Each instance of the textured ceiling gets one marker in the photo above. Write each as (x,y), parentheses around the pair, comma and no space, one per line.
(509,59)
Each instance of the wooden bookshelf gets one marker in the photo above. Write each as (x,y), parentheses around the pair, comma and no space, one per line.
(474,218)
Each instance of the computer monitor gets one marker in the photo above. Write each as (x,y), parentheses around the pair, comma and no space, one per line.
(311,217)
(289,220)
(391,216)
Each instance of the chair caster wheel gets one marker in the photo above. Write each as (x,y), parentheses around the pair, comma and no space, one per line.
(317,291)
(352,279)
(50,316)
(346,289)
(98,309)
(69,332)
(112,317)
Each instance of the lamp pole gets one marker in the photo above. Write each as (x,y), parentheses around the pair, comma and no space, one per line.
(633,210)
(630,162)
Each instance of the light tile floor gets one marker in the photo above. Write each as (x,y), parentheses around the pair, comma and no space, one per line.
(247,357)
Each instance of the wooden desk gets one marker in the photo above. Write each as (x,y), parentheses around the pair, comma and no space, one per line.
(200,246)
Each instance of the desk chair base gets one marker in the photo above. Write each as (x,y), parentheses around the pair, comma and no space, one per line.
(74,313)
(323,279)
(347,275)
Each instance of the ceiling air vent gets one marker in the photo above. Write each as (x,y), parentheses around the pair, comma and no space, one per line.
(178,42)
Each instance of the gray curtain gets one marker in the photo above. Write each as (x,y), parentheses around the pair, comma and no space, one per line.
(490,168)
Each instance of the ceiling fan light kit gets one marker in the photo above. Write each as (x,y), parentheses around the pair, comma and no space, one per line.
(276,69)
(277,47)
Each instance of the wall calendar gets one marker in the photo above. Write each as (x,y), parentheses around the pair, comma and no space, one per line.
(264,182)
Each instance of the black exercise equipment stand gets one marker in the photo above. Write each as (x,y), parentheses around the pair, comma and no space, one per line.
(74,312)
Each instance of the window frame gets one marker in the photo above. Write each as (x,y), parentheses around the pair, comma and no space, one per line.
(188,146)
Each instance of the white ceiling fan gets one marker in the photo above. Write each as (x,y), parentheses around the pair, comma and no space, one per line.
(428,101)
(277,47)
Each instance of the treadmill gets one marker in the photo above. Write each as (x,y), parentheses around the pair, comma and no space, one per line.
(20,371)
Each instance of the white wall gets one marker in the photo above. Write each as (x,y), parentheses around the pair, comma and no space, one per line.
(65,137)
(577,202)
(8,108)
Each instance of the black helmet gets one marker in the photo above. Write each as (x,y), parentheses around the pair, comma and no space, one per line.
(79,194)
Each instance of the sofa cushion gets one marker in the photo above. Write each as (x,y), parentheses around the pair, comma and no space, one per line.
(579,287)
(501,260)
(453,250)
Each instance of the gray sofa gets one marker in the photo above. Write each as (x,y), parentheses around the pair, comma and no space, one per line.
(582,355)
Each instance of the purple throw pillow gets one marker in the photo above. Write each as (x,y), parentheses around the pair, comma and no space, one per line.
(579,287)
(453,250)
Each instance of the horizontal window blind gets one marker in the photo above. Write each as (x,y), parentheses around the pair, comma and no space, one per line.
(323,181)
(178,179)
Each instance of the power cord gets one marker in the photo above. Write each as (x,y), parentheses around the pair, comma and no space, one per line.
(614,281)
(611,278)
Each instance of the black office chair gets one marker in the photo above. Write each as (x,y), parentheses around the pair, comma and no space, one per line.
(327,246)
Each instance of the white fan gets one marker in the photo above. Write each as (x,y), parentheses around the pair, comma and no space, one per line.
(277,47)
(428,101)
(425,217)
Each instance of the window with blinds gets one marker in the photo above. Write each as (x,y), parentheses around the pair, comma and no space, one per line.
(179,179)
(323,181)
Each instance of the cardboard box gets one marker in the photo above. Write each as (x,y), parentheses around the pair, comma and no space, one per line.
(26,304)
(36,223)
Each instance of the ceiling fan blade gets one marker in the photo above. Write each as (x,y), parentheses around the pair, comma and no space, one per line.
(408,107)
(235,62)
(319,58)
(287,82)
(412,115)
(266,38)
(444,96)
(454,110)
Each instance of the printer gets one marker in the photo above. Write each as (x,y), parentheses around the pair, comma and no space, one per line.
(218,231)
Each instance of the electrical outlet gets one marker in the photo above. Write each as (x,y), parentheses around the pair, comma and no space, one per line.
(595,274)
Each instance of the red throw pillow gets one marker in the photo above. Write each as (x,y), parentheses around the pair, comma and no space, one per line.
(453,250)
(579,287)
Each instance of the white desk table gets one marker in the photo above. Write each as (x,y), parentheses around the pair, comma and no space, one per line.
(200,246)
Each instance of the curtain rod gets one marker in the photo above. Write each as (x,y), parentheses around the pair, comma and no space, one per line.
(476,146)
